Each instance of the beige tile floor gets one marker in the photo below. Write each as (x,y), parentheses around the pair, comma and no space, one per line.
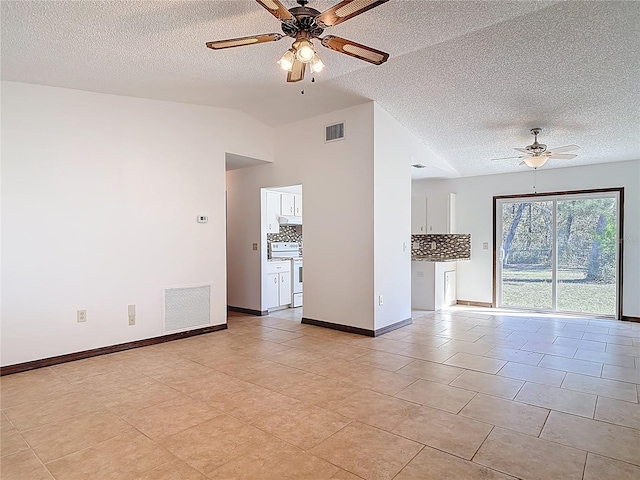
(460,394)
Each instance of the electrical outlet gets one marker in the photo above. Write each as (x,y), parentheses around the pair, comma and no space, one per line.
(380,300)
(82,316)
(485,245)
(255,246)
(131,310)
(433,245)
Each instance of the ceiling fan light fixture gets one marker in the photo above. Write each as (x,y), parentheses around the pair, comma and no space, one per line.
(536,161)
(286,62)
(303,24)
(316,64)
(305,51)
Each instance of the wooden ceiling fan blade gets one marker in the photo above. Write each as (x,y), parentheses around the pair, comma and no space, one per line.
(241,41)
(354,49)
(275,8)
(297,71)
(566,148)
(345,10)
(563,156)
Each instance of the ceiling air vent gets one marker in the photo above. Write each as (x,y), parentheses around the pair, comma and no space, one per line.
(333,133)
(418,165)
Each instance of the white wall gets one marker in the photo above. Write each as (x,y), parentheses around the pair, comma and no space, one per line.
(475,216)
(337,180)
(100,195)
(395,150)
(356,217)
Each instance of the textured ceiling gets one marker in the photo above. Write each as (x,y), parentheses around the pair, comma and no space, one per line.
(467,78)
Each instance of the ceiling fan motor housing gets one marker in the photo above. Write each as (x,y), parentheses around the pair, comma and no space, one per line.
(305,22)
(536,148)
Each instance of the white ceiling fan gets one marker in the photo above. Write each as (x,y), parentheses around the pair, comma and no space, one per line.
(536,154)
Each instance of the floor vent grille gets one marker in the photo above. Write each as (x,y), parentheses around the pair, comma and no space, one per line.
(186,308)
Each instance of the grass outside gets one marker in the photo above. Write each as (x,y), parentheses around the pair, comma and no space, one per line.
(530,287)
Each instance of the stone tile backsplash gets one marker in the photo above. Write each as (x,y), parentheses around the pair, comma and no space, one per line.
(288,233)
(447,246)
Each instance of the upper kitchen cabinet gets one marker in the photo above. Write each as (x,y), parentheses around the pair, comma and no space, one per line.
(282,208)
(297,205)
(441,213)
(287,204)
(272,211)
(418,215)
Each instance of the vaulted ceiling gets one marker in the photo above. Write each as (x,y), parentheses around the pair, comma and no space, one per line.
(470,79)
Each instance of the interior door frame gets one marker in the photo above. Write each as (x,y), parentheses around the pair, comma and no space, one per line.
(618,190)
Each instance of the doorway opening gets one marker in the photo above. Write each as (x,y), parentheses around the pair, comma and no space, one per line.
(559,252)
(282,282)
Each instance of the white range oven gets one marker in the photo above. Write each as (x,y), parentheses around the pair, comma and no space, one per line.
(296,282)
(291,250)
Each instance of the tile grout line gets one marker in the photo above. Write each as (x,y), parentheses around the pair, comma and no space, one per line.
(410,460)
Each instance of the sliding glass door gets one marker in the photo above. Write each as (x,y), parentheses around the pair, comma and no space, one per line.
(527,250)
(559,253)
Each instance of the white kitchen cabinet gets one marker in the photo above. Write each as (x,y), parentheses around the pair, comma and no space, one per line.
(287,204)
(272,212)
(277,288)
(297,205)
(441,213)
(450,296)
(271,288)
(284,289)
(433,285)
(418,215)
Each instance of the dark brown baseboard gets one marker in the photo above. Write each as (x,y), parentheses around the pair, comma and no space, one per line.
(338,326)
(357,330)
(393,326)
(469,303)
(248,311)
(627,318)
(70,357)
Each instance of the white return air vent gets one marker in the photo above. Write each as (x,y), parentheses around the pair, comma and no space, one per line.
(333,133)
(186,308)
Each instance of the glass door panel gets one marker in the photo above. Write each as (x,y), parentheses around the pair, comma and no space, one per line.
(526,255)
(587,234)
(559,253)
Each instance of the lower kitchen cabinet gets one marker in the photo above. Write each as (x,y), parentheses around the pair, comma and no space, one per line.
(277,288)
(433,285)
